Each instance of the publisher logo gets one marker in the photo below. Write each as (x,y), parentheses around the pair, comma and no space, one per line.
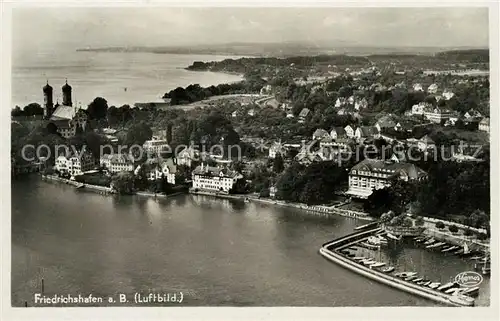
(469,279)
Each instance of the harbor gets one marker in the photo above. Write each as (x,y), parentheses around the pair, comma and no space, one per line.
(365,252)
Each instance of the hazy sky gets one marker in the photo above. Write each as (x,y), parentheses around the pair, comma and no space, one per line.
(81,27)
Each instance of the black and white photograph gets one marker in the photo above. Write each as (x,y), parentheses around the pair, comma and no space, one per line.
(218,156)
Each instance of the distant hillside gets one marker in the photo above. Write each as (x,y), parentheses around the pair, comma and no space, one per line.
(471,55)
(282,49)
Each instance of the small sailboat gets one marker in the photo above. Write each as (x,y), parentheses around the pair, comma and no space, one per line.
(410,278)
(429,241)
(377,264)
(432,246)
(387,269)
(358,258)
(448,249)
(417,280)
(447,286)
(372,224)
(405,274)
(434,285)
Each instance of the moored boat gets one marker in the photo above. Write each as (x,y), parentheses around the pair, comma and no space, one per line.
(377,264)
(462,300)
(448,249)
(369,225)
(471,291)
(434,285)
(387,269)
(438,244)
(429,241)
(447,286)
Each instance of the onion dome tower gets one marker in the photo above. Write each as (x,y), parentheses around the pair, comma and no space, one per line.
(48,103)
(66,91)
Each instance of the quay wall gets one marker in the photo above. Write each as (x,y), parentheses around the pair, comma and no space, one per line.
(385,279)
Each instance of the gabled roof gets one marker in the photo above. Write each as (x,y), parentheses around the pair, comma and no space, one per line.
(63,112)
(214,171)
(485,121)
(304,112)
(368,131)
(320,132)
(340,131)
(426,139)
(375,165)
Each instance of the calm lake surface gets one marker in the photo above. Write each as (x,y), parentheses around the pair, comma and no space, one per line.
(217,252)
(146,76)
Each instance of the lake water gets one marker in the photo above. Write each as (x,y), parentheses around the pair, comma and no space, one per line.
(145,76)
(217,252)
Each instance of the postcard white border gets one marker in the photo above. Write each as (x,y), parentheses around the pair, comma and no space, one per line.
(193,313)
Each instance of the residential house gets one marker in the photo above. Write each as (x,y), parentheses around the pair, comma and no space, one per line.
(275,149)
(364,132)
(349,131)
(304,113)
(432,89)
(187,156)
(338,132)
(453,119)
(404,126)
(472,113)
(342,111)
(156,146)
(272,191)
(266,90)
(385,122)
(319,134)
(75,164)
(158,168)
(350,100)
(447,95)
(234,114)
(341,101)
(115,163)
(418,87)
(419,109)
(251,112)
(484,125)
(370,174)
(425,143)
(215,179)
(437,114)
(290,115)
(361,104)
(273,103)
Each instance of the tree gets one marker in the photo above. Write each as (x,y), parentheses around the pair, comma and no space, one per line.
(453,228)
(440,225)
(17,111)
(138,133)
(278,165)
(97,109)
(123,183)
(419,221)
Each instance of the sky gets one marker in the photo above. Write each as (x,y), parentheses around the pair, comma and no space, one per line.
(384,27)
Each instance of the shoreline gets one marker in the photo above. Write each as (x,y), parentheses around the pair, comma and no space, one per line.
(317,209)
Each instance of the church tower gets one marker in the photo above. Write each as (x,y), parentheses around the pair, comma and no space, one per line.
(48,103)
(66,91)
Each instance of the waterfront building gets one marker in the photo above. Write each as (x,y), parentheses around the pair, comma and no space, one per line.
(437,114)
(66,118)
(215,179)
(251,112)
(115,163)
(156,145)
(361,104)
(419,109)
(349,131)
(484,125)
(75,164)
(372,174)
